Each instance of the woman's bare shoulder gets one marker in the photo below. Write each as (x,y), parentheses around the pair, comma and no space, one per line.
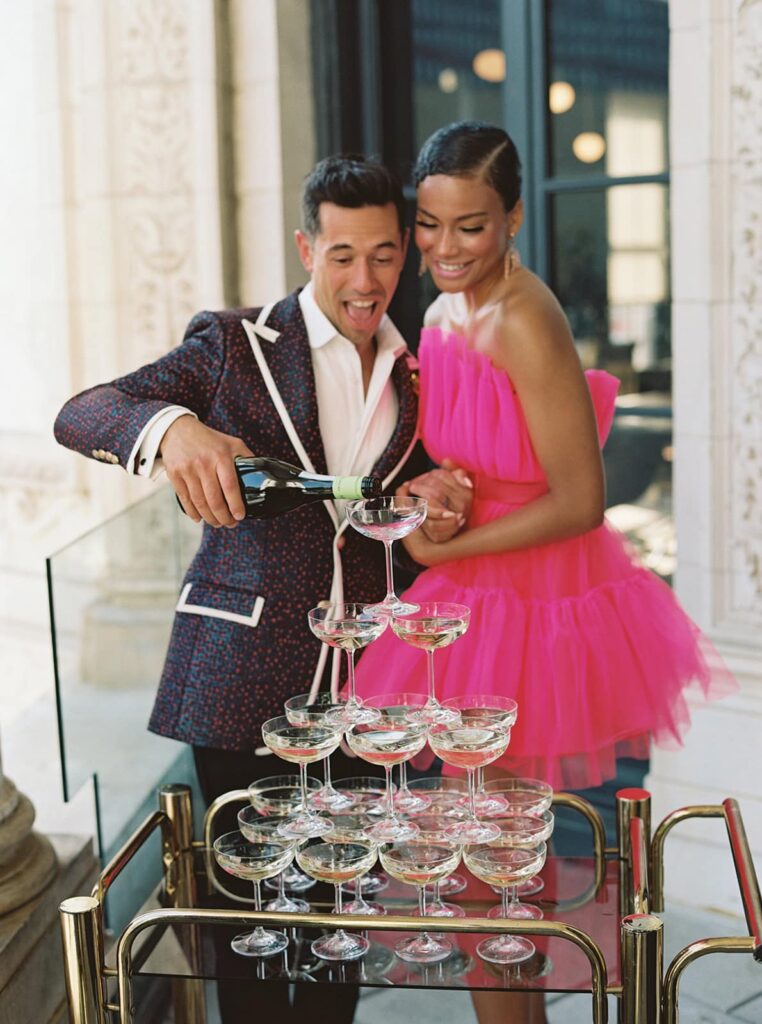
(531,323)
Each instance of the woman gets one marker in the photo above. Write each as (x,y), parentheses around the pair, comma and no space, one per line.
(594,647)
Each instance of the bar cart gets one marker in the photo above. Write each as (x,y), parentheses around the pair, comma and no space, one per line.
(600,933)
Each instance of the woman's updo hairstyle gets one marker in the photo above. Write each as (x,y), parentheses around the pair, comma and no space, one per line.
(473,149)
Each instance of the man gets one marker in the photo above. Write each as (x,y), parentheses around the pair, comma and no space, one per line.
(320,379)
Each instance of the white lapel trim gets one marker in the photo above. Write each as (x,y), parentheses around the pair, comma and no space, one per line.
(252,330)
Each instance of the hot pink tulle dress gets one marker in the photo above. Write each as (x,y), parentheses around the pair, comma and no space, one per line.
(594,648)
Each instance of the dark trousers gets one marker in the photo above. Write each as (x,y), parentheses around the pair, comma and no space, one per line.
(220,771)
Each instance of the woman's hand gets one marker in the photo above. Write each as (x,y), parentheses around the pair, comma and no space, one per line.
(423,550)
(449,493)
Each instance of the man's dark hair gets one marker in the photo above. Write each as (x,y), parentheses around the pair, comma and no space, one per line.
(350,181)
(473,149)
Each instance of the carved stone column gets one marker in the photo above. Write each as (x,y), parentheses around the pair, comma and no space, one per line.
(27,860)
(716,53)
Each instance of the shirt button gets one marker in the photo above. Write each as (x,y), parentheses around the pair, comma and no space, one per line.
(340,543)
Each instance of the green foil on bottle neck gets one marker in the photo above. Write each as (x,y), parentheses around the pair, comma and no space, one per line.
(347,487)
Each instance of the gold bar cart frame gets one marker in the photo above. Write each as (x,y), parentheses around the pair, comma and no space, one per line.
(647,995)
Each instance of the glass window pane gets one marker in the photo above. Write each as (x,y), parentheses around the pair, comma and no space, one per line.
(610,258)
(607,87)
(458,65)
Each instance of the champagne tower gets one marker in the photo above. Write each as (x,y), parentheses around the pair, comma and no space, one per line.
(27,860)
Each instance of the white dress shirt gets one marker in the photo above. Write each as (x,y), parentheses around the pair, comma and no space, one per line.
(355,427)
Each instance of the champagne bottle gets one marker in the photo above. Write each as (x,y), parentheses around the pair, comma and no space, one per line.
(270,487)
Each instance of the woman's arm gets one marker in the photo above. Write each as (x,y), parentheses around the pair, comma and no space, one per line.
(536,349)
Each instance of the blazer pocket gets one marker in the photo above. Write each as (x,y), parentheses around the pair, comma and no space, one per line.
(239,606)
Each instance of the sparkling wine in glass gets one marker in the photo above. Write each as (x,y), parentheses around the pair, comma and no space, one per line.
(254,861)
(504,867)
(446,796)
(338,863)
(521,796)
(432,827)
(389,741)
(304,709)
(523,830)
(387,519)
(352,828)
(431,627)
(369,796)
(349,627)
(301,744)
(402,705)
(471,745)
(420,864)
(280,796)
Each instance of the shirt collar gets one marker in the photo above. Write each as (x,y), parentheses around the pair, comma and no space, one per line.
(320,330)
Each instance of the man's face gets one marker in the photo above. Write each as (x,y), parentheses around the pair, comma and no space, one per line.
(355,262)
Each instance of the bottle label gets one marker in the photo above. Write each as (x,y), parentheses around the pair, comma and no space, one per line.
(347,487)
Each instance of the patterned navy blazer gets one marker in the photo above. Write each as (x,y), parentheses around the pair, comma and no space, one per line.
(240,643)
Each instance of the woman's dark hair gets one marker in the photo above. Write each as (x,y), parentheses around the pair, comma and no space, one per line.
(473,149)
(350,181)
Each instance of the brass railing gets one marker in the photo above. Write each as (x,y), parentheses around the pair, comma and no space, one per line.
(647,995)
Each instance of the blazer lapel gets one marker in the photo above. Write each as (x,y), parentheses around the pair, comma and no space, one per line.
(290,364)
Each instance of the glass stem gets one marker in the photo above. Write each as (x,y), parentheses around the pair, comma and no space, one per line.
(303,809)
(432,701)
(338,904)
(504,901)
(389,570)
(282,886)
(422,910)
(351,676)
(327,784)
(389,796)
(259,931)
(403,777)
(479,779)
(514,894)
(472,794)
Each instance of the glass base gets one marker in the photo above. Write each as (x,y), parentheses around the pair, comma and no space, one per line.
(358,907)
(505,949)
(304,826)
(449,886)
(340,946)
(423,949)
(489,806)
(263,943)
(472,832)
(331,800)
(410,803)
(391,605)
(531,887)
(433,714)
(391,830)
(516,912)
(438,908)
(284,905)
(352,714)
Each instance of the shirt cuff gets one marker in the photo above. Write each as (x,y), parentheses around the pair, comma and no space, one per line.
(144,459)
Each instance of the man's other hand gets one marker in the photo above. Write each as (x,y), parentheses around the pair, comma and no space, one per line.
(199,464)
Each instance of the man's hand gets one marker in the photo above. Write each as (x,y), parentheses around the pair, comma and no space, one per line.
(199,464)
(449,492)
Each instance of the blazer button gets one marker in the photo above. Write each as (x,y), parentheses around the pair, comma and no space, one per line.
(340,543)
(95,454)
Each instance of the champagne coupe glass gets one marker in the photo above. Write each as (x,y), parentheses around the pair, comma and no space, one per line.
(504,866)
(518,831)
(419,864)
(402,705)
(434,625)
(338,863)
(281,795)
(302,744)
(474,744)
(522,796)
(432,826)
(369,794)
(351,828)
(389,741)
(305,709)
(255,861)
(387,520)
(446,796)
(349,627)
(257,829)
(503,711)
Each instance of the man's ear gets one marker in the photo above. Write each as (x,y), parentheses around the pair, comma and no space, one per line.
(304,246)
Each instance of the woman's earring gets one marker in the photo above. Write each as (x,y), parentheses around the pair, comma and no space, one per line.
(511,260)
(422,268)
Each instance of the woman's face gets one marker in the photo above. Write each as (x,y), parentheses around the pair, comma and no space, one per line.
(462,230)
